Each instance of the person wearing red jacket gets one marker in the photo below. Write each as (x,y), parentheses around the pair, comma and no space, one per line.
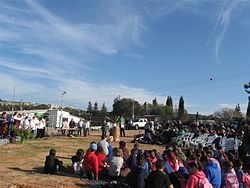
(101,157)
(91,162)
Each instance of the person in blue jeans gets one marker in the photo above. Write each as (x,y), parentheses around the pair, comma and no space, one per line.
(212,171)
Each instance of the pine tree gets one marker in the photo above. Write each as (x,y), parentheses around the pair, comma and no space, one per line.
(89,109)
(171,102)
(248,109)
(155,102)
(237,108)
(145,108)
(181,108)
(96,106)
(104,109)
(237,113)
(169,108)
(168,101)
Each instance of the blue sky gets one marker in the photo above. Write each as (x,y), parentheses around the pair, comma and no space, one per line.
(97,50)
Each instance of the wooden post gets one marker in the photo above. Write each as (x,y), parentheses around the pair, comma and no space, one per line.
(117,133)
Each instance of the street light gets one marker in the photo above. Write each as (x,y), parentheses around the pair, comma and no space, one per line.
(62,94)
(61,106)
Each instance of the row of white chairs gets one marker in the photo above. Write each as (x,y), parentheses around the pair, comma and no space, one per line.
(187,141)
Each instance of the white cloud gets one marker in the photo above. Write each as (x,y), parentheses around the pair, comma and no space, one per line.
(9,82)
(63,45)
(83,91)
(19,67)
(78,92)
(222,26)
(223,20)
(158,9)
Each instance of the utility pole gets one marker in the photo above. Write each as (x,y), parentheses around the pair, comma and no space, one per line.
(61,106)
(13,101)
(133,110)
(21,104)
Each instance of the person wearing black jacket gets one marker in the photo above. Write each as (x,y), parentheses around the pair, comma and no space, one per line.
(72,124)
(158,179)
(136,178)
(52,164)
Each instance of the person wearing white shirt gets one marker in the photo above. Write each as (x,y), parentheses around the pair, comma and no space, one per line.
(104,144)
(41,128)
(33,126)
(116,163)
(64,126)
(26,123)
(80,127)
(87,126)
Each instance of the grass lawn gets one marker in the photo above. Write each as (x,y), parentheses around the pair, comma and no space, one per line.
(21,165)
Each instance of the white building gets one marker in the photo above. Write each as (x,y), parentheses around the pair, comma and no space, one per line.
(56,117)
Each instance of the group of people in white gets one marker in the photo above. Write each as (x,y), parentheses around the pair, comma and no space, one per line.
(33,123)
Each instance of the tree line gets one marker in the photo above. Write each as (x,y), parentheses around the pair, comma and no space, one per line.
(130,107)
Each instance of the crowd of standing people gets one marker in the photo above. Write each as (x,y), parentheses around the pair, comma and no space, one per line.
(9,124)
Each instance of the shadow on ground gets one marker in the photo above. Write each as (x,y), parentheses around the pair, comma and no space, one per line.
(39,170)
(66,173)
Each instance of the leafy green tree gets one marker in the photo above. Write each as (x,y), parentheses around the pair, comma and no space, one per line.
(125,106)
(144,109)
(225,114)
(181,110)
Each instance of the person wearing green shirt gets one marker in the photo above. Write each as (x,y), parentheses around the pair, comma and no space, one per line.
(122,126)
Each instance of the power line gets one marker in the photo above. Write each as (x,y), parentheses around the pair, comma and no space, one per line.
(217,79)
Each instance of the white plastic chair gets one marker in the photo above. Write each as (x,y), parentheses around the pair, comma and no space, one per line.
(209,140)
(198,140)
(186,139)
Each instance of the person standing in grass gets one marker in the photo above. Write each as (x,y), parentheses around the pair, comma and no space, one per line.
(122,126)
(87,123)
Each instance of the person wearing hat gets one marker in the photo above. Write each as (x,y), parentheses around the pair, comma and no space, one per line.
(91,162)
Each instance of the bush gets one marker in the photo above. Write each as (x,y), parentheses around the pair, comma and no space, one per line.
(24,134)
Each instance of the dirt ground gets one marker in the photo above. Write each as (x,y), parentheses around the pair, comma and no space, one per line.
(21,165)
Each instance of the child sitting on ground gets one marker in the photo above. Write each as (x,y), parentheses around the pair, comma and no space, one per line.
(77,163)
(91,162)
(52,164)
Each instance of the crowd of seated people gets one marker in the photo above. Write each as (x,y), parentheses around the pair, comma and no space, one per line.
(163,134)
(174,167)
